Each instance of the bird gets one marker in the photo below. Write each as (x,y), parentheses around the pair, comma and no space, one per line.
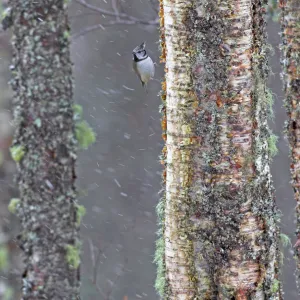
(143,64)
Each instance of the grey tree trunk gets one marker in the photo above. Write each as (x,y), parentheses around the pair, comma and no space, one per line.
(219,237)
(290,20)
(44,148)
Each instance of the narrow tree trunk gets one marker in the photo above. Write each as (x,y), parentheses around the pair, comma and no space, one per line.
(45,149)
(290,20)
(220,234)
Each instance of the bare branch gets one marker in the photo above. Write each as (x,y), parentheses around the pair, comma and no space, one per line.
(88,29)
(106,12)
(95,8)
(115,8)
(100,290)
(95,261)
(92,251)
(154,5)
(102,26)
(82,15)
(121,5)
(113,282)
(121,18)
(95,267)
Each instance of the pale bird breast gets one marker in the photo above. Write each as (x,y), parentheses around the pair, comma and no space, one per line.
(146,69)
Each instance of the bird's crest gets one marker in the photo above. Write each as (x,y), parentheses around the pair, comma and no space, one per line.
(139,48)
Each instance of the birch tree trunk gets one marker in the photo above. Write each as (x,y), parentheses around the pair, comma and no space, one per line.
(290,20)
(218,217)
(44,148)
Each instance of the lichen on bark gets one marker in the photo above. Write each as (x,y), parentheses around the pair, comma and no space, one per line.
(220,230)
(290,20)
(44,128)
(161,284)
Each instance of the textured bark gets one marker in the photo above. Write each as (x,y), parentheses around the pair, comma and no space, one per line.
(220,233)
(290,20)
(45,149)
(9,255)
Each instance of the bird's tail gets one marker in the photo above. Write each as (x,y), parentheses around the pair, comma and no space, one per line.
(145,86)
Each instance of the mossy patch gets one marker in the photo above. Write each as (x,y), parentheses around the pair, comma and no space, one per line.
(17,152)
(81,211)
(285,240)
(13,204)
(3,258)
(85,135)
(272,140)
(275,286)
(160,282)
(73,256)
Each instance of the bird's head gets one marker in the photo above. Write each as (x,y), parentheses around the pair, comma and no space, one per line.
(139,52)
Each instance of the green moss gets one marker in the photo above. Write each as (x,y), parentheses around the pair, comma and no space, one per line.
(269,101)
(275,286)
(17,152)
(4,12)
(80,213)
(12,206)
(160,211)
(82,193)
(85,135)
(3,258)
(160,282)
(272,140)
(281,257)
(66,34)
(73,256)
(159,259)
(285,240)
(77,112)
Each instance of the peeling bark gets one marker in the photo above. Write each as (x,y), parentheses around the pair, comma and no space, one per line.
(45,149)
(220,231)
(290,20)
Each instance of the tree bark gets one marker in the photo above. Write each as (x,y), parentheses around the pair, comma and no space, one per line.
(219,224)
(44,148)
(290,20)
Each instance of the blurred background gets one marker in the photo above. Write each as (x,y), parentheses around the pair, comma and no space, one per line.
(119,175)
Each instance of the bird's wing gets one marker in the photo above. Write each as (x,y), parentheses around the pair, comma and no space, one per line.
(134,66)
(152,69)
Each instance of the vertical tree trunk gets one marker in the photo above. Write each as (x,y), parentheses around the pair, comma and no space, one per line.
(219,228)
(45,149)
(290,20)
